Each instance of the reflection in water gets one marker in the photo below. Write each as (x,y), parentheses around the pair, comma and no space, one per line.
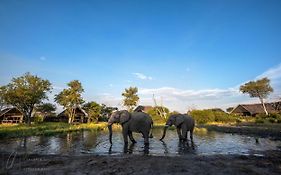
(97,143)
(130,149)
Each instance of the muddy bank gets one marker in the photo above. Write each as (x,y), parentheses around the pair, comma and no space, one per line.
(264,131)
(269,164)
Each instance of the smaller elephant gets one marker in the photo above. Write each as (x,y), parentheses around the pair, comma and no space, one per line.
(139,122)
(183,123)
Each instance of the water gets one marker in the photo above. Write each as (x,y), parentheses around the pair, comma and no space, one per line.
(86,142)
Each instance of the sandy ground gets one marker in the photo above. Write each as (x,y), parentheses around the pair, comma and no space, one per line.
(269,164)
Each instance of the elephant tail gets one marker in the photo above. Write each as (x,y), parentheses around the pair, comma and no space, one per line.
(151,127)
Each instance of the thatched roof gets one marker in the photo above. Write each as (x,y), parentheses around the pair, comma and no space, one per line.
(253,109)
(7,110)
(77,110)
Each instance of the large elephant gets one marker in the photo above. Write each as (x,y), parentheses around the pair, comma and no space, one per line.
(183,123)
(139,122)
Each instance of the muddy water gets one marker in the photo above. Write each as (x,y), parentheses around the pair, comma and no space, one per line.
(97,143)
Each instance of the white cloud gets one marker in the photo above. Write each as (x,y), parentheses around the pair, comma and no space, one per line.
(110,85)
(273,73)
(142,76)
(183,99)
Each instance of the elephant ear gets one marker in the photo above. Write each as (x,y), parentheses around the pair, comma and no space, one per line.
(179,120)
(124,116)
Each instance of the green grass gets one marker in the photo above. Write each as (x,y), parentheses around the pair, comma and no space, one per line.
(51,128)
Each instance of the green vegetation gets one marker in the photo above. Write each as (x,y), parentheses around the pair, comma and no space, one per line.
(71,98)
(270,118)
(46,109)
(93,109)
(156,114)
(106,111)
(260,88)
(131,98)
(25,92)
(209,115)
(47,128)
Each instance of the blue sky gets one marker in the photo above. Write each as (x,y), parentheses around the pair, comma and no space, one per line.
(192,54)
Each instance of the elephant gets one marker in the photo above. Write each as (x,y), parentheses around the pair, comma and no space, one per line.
(183,122)
(139,122)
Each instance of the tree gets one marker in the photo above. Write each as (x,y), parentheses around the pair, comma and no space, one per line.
(156,113)
(260,89)
(2,102)
(25,92)
(93,109)
(106,111)
(71,98)
(130,97)
(160,109)
(46,108)
(229,109)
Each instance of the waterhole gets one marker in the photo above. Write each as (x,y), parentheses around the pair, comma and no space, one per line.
(87,142)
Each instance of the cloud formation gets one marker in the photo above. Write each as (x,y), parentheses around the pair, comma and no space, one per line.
(142,76)
(184,99)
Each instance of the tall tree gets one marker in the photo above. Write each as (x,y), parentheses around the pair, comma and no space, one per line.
(71,98)
(25,92)
(131,98)
(260,89)
(2,102)
(94,111)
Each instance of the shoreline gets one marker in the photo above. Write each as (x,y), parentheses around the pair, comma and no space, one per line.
(47,129)
(264,131)
(270,163)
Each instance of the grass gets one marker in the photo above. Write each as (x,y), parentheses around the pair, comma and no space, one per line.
(48,128)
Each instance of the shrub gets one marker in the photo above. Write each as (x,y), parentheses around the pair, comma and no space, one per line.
(38,118)
(156,117)
(271,118)
(205,116)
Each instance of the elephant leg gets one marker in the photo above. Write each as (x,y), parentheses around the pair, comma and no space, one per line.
(146,138)
(131,137)
(184,133)
(179,133)
(191,134)
(125,135)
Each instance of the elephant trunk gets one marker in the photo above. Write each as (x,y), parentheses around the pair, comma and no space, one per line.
(110,133)
(164,132)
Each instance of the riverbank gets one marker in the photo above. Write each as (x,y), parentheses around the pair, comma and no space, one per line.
(52,128)
(269,164)
(48,128)
(252,129)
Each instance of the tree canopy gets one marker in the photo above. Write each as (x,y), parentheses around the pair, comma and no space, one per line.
(260,88)
(93,109)
(46,108)
(25,92)
(130,97)
(71,98)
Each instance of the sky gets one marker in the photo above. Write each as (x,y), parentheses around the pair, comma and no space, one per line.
(190,54)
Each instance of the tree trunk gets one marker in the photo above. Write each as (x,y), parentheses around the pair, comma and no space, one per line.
(264,107)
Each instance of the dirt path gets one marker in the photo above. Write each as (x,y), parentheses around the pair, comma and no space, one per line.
(135,164)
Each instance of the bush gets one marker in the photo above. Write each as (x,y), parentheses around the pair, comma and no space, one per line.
(271,118)
(156,117)
(205,116)
(38,118)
